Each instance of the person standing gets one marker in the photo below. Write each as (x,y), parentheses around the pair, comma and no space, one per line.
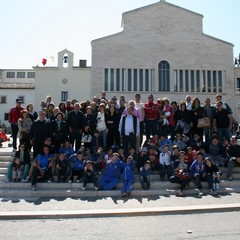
(129,129)
(14,114)
(75,124)
(223,121)
(151,116)
(24,125)
(139,105)
(40,130)
(208,111)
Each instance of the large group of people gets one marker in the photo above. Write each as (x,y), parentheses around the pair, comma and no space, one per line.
(76,141)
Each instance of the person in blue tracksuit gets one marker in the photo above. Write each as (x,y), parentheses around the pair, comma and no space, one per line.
(77,164)
(128,176)
(111,176)
(144,175)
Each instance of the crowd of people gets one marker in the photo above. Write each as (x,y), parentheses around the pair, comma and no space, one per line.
(105,140)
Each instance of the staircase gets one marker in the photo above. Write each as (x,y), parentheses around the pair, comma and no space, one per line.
(158,188)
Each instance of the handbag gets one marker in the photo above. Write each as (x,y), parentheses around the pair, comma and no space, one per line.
(203,122)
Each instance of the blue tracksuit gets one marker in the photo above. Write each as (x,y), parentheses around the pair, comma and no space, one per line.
(128,176)
(111,175)
(76,164)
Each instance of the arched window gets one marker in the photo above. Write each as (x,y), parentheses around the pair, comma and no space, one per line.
(163,76)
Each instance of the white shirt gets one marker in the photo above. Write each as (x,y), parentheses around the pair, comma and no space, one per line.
(165,158)
(101,125)
(129,128)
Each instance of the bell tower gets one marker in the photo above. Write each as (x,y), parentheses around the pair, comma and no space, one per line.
(65,59)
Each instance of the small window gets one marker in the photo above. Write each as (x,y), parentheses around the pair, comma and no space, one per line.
(6,115)
(238,85)
(31,75)
(10,74)
(22,99)
(20,74)
(64,96)
(3,99)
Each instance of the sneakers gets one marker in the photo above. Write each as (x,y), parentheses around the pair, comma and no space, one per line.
(69,181)
(23,181)
(200,193)
(179,194)
(96,188)
(211,191)
(83,188)
(124,194)
(78,181)
(217,186)
(230,178)
(34,188)
(50,180)
(27,180)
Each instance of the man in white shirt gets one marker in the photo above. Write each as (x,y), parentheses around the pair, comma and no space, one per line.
(129,129)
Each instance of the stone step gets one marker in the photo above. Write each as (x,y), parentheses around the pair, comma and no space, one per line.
(137,185)
(3,170)
(52,193)
(6,158)
(4,164)
(6,153)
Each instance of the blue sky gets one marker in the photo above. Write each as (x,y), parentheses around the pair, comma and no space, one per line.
(34,29)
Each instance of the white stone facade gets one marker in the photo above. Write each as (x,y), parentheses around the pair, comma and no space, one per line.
(128,62)
(53,81)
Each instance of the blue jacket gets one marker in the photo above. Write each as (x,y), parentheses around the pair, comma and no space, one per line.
(113,170)
(76,164)
(197,167)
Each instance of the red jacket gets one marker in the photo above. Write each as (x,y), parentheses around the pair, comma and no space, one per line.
(151,110)
(14,114)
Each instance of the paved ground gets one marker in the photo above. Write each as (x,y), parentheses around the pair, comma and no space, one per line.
(61,204)
(221,226)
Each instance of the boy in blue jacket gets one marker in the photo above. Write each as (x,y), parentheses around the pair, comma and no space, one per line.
(77,164)
(128,176)
(144,175)
(197,171)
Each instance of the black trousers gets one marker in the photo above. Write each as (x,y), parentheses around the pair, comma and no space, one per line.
(36,173)
(89,179)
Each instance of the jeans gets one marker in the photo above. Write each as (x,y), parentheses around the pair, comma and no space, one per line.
(198,178)
(223,133)
(145,180)
(103,139)
(24,174)
(231,164)
(163,169)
